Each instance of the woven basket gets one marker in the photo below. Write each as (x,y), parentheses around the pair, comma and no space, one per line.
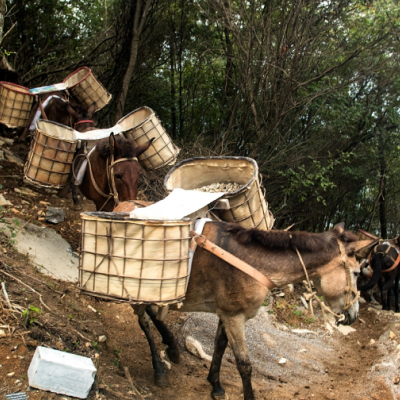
(86,88)
(15,105)
(247,206)
(51,154)
(142,125)
(135,260)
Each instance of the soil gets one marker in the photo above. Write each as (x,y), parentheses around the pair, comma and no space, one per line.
(60,317)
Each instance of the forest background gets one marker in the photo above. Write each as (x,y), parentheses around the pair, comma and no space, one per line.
(309,89)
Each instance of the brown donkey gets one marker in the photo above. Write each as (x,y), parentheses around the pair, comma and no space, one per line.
(217,287)
(113,171)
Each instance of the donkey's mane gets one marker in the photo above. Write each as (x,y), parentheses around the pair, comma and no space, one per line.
(125,146)
(283,240)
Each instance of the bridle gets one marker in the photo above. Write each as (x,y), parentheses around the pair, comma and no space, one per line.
(110,164)
(385,254)
(350,289)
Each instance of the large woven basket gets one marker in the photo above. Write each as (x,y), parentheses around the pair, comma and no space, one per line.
(142,125)
(51,154)
(86,88)
(15,105)
(134,260)
(247,206)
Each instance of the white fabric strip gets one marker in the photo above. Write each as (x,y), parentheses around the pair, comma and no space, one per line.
(38,113)
(198,228)
(176,206)
(82,170)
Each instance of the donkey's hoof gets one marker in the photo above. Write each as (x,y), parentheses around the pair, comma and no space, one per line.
(161,380)
(223,396)
(174,356)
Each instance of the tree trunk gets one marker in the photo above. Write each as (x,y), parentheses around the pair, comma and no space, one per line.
(141,12)
(3,9)
(382,199)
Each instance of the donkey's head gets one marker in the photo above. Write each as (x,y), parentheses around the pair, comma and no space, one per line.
(126,170)
(337,280)
(82,117)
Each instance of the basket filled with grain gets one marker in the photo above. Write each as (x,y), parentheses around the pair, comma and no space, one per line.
(238,177)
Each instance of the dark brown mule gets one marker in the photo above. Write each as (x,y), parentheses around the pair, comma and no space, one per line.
(384,261)
(220,288)
(112,173)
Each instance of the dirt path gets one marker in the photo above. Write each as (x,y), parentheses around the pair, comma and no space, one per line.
(332,366)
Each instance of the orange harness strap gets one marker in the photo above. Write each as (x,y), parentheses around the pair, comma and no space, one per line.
(396,263)
(202,241)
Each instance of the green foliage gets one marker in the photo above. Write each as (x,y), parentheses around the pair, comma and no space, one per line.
(31,314)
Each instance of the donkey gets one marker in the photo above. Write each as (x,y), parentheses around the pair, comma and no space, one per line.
(384,260)
(113,171)
(217,287)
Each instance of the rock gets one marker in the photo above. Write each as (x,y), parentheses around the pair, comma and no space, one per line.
(61,372)
(2,155)
(392,335)
(195,348)
(2,333)
(8,141)
(269,340)
(345,329)
(55,215)
(11,374)
(302,350)
(361,300)
(4,201)
(10,156)
(102,338)
(282,361)
(26,192)
(371,342)
(304,331)
(385,336)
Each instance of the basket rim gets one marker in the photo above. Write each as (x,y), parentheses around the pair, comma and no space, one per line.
(16,86)
(142,122)
(124,217)
(227,195)
(55,137)
(74,72)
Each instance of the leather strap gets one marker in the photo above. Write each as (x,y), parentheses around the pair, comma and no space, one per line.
(203,242)
(44,116)
(89,121)
(396,263)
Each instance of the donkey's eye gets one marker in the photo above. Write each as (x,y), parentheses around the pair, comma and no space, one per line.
(356,274)
(118,176)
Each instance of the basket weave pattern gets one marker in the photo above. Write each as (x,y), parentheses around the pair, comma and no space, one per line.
(146,126)
(49,160)
(249,209)
(15,105)
(87,89)
(134,260)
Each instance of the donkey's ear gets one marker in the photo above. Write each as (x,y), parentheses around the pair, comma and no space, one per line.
(112,143)
(72,111)
(339,228)
(91,110)
(139,150)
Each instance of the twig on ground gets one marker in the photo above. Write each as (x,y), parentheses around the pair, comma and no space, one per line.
(128,376)
(33,290)
(3,286)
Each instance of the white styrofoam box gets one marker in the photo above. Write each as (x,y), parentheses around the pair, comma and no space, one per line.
(61,372)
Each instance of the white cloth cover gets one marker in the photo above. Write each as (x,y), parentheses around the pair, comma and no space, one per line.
(176,206)
(82,170)
(38,113)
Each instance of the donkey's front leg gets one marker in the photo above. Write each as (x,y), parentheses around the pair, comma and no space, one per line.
(234,327)
(220,343)
(160,376)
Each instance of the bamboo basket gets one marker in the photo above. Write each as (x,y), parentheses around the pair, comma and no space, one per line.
(142,125)
(86,88)
(246,206)
(51,154)
(134,260)
(15,105)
